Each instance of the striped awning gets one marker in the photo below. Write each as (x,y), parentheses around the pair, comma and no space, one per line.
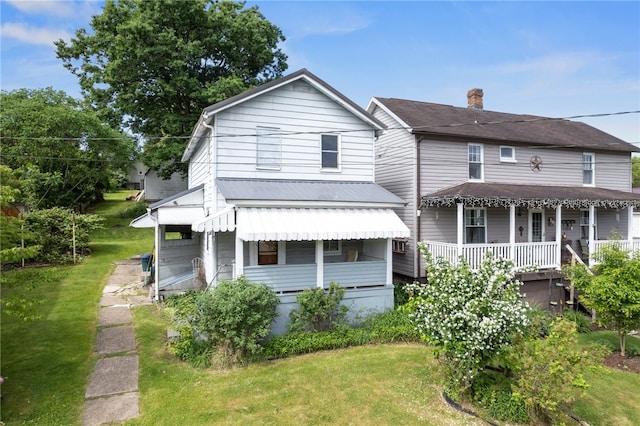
(311,224)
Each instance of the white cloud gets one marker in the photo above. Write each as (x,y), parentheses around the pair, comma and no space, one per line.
(33,35)
(557,64)
(57,8)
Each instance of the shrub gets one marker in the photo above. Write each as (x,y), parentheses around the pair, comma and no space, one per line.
(133,211)
(400,294)
(319,310)
(234,317)
(186,345)
(391,326)
(582,322)
(550,371)
(492,392)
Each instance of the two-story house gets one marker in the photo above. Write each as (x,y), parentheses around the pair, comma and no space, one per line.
(281,191)
(519,186)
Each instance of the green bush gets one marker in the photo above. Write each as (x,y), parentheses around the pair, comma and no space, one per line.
(492,392)
(392,326)
(400,293)
(319,310)
(54,230)
(582,322)
(186,345)
(234,317)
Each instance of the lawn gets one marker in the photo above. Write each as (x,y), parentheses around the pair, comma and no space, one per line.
(48,362)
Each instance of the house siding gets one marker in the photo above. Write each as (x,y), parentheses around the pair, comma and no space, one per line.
(301,113)
(158,189)
(395,170)
(225,247)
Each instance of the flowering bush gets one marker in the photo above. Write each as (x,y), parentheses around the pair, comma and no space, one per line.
(470,316)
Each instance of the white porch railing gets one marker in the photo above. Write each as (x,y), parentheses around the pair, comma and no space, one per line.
(543,254)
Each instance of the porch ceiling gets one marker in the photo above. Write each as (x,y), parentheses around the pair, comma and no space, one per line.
(532,196)
(298,224)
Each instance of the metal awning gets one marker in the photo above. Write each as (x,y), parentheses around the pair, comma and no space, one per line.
(298,224)
(221,221)
(143,221)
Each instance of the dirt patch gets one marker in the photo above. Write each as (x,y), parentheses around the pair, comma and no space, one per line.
(624,363)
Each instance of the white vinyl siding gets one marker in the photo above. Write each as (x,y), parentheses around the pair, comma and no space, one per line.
(302,113)
(268,148)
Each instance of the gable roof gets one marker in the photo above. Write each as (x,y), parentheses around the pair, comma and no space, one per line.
(429,119)
(279,191)
(302,74)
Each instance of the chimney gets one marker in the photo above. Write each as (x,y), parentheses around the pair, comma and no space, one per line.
(474,98)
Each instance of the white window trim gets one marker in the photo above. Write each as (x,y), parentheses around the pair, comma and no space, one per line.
(481,179)
(542,225)
(335,252)
(511,159)
(339,147)
(464,223)
(581,225)
(274,131)
(593,169)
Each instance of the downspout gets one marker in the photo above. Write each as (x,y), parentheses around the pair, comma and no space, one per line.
(416,256)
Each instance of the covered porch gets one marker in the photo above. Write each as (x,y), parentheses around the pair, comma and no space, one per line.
(528,224)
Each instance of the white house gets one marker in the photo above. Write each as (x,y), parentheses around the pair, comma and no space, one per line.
(282,190)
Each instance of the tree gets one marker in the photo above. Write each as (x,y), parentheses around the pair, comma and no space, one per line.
(471,316)
(614,290)
(635,171)
(152,66)
(58,152)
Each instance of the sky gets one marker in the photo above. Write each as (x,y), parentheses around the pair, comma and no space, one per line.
(553,59)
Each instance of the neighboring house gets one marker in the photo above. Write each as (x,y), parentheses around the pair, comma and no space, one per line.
(281,190)
(519,186)
(155,188)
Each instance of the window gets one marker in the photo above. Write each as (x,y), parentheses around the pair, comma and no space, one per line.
(475,228)
(588,168)
(268,153)
(399,246)
(584,225)
(267,252)
(507,154)
(475,162)
(332,247)
(330,151)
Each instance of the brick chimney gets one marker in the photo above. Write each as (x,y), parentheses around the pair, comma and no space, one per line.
(474,98)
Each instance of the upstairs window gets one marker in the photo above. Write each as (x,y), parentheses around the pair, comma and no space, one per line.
(507,154)
(269,150)
(475,162)
(330,152)
(588,168)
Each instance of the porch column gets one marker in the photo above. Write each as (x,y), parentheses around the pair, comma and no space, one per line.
(559,235)
(319,264)
(239,257)
(389,259)
(630,230)
(592,233)
(512,232)
(460,239)
(156,260)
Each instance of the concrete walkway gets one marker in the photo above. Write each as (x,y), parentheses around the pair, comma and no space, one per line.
(112,394)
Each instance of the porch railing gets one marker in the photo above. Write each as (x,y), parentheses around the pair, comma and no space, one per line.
(541,254)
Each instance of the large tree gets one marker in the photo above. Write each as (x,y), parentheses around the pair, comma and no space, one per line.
(58,152)
(635,169)
(152,65)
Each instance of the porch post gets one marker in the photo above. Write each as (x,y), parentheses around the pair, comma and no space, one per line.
(559,235)
(630,230)
(389,259)
(592,233)
(460,240)
(156,261)
(239,257)
(512,232)
(319,264)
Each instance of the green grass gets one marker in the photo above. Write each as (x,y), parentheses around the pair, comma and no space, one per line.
(47,362)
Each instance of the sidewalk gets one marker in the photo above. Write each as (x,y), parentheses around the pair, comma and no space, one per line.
(112,394)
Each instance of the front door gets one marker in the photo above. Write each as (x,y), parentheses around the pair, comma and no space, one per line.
(536,226)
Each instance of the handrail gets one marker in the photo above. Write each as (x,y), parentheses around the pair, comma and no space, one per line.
(575,256)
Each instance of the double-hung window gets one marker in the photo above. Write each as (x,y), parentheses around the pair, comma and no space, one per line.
(330,152)
(475,225)
(269,150)
(475,158)
(588,168)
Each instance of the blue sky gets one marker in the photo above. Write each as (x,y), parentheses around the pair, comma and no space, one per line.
(555,59)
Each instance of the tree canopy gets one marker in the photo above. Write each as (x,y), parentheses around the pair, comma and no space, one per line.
(56,152)
(152,66)
(635,171)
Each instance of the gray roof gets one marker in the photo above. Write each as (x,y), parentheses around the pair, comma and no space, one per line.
(426,118)
(534,196)
(275,190)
